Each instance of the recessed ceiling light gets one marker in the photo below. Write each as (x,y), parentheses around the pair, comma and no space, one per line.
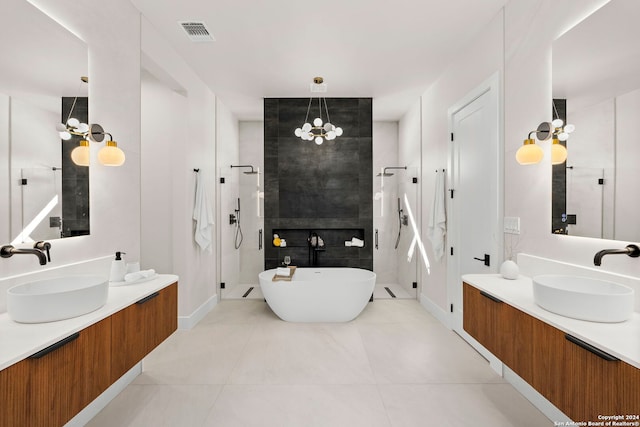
(196,31)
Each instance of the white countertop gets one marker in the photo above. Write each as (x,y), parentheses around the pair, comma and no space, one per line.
(621,340)
(20,340)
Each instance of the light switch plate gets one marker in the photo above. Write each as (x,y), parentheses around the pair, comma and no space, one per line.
(512,224)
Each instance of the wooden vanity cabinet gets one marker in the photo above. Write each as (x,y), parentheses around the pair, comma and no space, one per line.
(580,380)
(55,384)
(501,329)
(52,386)
(139,328)
(483,317)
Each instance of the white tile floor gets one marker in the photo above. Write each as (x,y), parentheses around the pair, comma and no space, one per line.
(394,365)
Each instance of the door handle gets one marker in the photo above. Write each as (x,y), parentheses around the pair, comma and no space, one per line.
(260,239)
(486,259)
(376,238)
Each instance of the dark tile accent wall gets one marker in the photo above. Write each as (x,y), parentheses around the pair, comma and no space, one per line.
(325,188)
(75,179)
(559,178)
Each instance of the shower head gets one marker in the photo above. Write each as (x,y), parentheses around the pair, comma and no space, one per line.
(385,173)
(251,172)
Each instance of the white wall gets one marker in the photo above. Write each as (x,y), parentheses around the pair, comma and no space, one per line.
(190,143)
(163,110)
(531,26)
(114,102)
(522,54)
(385,215)
(251,152)
(479,61)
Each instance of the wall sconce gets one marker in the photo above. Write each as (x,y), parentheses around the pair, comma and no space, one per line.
(109,155)
(80,154)
(530,153)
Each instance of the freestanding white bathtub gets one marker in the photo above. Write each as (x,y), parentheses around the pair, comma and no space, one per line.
(319,294)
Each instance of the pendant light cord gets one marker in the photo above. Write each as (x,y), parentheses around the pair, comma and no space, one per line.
(306,118)
(326,108)
(75,99)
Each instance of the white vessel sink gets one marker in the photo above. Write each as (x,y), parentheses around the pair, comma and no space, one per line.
(56,299)
(583,298)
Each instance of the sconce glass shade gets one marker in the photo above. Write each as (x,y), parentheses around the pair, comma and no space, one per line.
(111,155)
(80,154)
(529,153)
(558,153)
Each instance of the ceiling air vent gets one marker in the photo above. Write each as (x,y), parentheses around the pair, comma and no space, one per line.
(196,31)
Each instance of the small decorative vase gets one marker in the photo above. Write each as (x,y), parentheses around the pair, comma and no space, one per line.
(509,270)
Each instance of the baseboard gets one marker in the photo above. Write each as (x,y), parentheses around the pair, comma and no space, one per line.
(536,399)
(435,310)
(100,402)
(188,322)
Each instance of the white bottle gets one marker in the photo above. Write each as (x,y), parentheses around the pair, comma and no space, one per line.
(118,269)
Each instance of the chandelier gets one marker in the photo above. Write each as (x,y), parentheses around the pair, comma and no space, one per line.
(320,130)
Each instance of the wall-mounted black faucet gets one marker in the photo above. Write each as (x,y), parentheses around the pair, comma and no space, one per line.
(40,249)
(630,250)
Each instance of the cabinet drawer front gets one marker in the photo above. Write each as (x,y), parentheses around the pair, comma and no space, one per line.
(52,387)
(139,328)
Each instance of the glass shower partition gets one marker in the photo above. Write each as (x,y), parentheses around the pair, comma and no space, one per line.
(241,232)
(396,277)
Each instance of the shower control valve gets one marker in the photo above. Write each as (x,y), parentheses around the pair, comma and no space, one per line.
(232,219)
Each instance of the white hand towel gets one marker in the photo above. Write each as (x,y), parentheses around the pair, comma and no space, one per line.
(203,215)
(283,271)
(357,242)
(143,274)
(148,273)
(437,228)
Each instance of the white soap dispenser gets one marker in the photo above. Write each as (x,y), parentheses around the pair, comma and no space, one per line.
(118,269)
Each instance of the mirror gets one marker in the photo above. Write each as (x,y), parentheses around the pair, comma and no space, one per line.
(596,85)
(40,68)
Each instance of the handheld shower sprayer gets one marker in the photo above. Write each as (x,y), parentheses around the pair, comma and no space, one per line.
(238,237)
(401,220)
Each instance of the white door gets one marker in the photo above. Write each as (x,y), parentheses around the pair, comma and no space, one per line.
(475,211)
